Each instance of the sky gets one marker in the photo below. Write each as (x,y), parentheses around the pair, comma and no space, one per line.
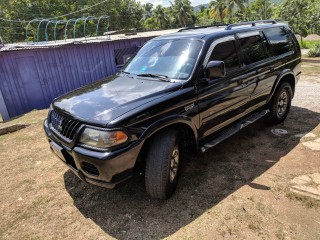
(166,3)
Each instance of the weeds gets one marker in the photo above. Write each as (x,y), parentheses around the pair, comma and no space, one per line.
(307,201)
(315,51)
(308,44)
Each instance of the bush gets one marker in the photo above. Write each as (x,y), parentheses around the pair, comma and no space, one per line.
(308,44)
(315,51)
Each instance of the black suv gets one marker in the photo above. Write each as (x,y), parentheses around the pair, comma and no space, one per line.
(180,94)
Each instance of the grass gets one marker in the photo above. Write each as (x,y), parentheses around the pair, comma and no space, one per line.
(308,44)
(41,199)
(306,201)
(310,68)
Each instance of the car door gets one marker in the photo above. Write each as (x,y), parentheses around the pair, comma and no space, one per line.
(257,67)
(221,101)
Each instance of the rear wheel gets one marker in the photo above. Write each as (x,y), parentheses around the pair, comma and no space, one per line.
(162,167)
(280,104)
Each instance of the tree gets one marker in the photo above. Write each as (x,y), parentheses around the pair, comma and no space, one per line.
(147,10)
(151,23)
(160,15)
(203,16)
(261,9)
(183,12)
(299,14)
(231,6)
(125,14)
(217,9)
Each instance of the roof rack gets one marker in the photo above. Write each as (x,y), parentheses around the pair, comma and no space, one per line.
(199,27)
(253,23)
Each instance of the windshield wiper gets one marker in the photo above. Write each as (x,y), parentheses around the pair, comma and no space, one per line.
(158,76)
(125,72)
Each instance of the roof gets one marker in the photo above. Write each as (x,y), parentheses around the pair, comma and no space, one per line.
(194,32)
(88,40)
(211,31)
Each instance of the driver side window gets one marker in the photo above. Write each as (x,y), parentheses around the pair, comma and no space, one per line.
(226,52)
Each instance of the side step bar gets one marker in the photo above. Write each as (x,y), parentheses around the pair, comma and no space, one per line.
(234,129)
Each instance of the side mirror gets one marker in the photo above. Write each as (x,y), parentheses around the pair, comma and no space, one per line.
(215,69)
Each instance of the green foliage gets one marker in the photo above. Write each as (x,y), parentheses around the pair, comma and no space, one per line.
(222,9)
(261,9)
(126,14)
(203,17)
(183,12)
(315,51)
(161,16)
(308,44)
(303,16)
(151,24)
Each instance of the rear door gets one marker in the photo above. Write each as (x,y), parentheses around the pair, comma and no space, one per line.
(257,67)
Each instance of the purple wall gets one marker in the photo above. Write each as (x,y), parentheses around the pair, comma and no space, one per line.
(32,78)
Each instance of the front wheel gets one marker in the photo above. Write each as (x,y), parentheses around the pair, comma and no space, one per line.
(162,167)
(280,104)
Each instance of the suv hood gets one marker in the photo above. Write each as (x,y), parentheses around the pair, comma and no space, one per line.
(102,101)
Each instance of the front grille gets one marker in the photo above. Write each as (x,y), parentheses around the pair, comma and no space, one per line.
(90,168)
(64,125)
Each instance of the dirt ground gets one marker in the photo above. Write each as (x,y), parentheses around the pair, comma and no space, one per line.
(237,190)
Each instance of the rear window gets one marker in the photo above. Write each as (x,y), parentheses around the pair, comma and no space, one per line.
(226,52)
(280,40)
(252,49)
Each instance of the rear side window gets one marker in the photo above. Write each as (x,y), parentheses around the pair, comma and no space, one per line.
(280,40)
(226,52)
(252,49)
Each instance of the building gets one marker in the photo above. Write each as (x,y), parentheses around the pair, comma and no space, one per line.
(31,76)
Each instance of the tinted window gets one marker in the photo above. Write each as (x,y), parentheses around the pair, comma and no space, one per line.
(226,52)
(266,46)
(280,40)
(252,49)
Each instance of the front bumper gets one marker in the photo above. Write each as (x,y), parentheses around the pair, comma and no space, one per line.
(105,169)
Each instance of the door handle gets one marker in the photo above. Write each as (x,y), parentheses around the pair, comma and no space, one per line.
(259,71)
(244,84)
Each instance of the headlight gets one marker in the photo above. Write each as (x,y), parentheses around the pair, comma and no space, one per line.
(102,139)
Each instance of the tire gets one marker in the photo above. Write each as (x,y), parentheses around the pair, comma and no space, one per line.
(280,104)
(162,165)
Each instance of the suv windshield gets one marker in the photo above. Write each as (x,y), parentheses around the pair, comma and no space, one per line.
(172,58)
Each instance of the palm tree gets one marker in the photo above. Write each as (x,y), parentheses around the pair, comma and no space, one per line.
(217,9)
(160,15)
(231,6)
(147,10)
(223,8)
(183,11)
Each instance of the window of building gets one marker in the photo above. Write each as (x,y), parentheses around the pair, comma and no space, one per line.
(121,55)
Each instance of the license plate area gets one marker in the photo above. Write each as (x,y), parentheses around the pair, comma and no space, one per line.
(57,150)
(63,155)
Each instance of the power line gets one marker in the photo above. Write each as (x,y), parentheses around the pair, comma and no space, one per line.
(81,10)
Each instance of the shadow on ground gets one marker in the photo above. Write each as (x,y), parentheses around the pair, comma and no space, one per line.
(128,212)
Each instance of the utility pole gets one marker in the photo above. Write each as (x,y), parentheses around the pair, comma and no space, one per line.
(1,42)
(265,9)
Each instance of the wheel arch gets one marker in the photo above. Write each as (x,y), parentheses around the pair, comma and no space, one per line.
(184,126)
(285,76)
